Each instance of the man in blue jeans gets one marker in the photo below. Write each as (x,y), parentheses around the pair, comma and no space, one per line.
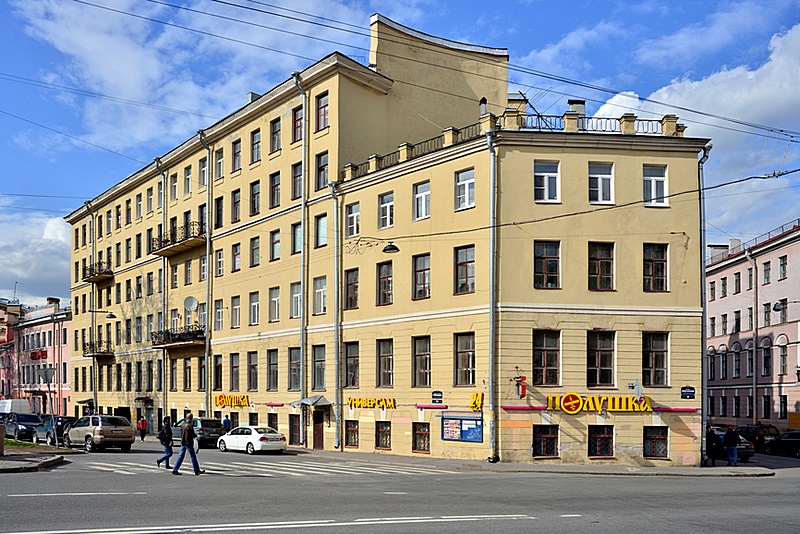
(731,441)
(187,444)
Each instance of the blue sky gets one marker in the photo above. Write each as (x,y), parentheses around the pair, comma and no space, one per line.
(90,95)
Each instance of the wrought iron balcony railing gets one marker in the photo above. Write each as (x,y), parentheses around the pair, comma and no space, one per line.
(179,239)
(98,348)
(97,271)
(185,335)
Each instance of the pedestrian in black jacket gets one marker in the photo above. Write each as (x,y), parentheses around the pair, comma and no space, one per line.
(731,441)
(713,446)
(165,438)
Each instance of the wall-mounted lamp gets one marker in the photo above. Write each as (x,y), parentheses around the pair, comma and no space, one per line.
(391,248)
(778,306)
(109,316)
(520,386)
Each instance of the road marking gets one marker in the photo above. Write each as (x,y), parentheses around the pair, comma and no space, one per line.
(77,494)
(395,493)
(570,515)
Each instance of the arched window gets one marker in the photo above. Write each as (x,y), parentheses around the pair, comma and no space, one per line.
(766,357)
(736,349)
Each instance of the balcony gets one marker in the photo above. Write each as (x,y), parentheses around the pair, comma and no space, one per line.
(180,239)
(97,272)
(187,336)
(98,349)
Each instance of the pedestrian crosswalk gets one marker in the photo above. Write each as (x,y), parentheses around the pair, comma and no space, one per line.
(257,467)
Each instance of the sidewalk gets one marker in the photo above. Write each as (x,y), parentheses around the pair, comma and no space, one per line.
(16,462)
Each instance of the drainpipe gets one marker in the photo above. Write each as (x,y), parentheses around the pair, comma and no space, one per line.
(704,326)
(93,326)
(207,229)
(303,260)
(164,357)
(337,333)
(749,255)
(494,455)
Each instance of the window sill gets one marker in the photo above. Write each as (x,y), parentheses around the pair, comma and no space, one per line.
(322,132)
(651,205)
(464,208)
(556,201)
(420,452)
(546,288)
(383,448)
(274,154)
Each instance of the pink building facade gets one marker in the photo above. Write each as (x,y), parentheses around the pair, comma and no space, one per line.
(9,316)
(753,313)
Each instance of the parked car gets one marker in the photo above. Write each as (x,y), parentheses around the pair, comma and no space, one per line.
(52,428)
(207,430)
(21,425)
(100,431)
(3,417)
(786,444)
(745,450)
(758,434)
(252,439)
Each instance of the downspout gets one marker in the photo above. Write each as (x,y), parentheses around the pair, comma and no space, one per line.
(337,334)
(209,308)
(494,455)
(303,260)
(704,326)
(93,326)
(748,254)
(164,356)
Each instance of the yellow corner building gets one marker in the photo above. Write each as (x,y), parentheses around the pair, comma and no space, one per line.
(330,261)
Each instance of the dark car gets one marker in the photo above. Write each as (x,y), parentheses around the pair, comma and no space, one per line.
(52,428)
(207,430)
(21,425)
(745,450)
(3,417)
(787,444)
(758,434)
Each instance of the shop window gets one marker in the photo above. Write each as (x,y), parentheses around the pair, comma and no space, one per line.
(655,441)
(545,441)
(294,429)
(421,437)
(351,433)
(383,435)
(601,441)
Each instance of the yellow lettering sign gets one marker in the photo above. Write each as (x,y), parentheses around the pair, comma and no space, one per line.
(222,400)
(371,402)
(572,403)
(476,404)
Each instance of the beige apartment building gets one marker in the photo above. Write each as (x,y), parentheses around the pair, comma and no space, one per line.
(523,288)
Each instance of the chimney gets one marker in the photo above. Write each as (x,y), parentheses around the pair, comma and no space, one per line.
(578,106)
(252,97)
(54,301)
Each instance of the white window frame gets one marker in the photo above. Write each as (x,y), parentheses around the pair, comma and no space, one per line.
(353,219)
(219,257)
(218,314)
(321,230)
(604,183)
(422,200)
(236,311)
(274,304)
(187,180)
(202,177)
(320,295)
(465,189)
(652,182)
(253,315)
(297,302)
(386,210)
(547,181)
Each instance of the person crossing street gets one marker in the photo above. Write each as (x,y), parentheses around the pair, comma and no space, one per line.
(187,445)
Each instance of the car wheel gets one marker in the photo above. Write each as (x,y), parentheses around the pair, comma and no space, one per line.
(126,447)
(16,435)
(222,446)
(49,440)
(67,441)
(35,437)
(768,450)
(250,449)
(89,444)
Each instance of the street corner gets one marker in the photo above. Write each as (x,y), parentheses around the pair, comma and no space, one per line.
(22,463)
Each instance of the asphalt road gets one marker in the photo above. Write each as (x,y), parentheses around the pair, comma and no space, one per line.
(114,492)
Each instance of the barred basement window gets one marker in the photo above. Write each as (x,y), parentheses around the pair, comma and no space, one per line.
(351,433)
(655,441)
(383,435)
(601,440)
(545,440)
(422,437)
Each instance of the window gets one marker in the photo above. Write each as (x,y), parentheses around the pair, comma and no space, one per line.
(202,178)
(294,369)
(750,406)
(321,230)
(297,181)
(783,359)
(275,190)
(236,149)
(351,433)
(173,187)
(723,369)
(203,267)
(236,206)
(546,351)
(352,213)
(546,264)
(737,361)
(750,363)
(545,441)
(274,304)
(655,441)
(712,291)
(782,408)
(385,210)
(421,437)
(655,268)
(766,407)
(422,201)
(351,365)
(601,440)
(218,215)
(464,270)
(255,198)
(138,208)
(385,363)
(545,181)
(654,359)
(272,370)
(236,311)
(422,276)
(782,267)
(297,124)
(219,164)
(255,146)
(253,316)
(767,313)
(187,374)
(320,296)
(236,257)
(750,278)
(219,263)
(275,135)
(255,251)
(737,406)
(297,238)
(600,183)
(766,269)
(724,324)
(737,283)
(465,359)
(252,371)
(351,289)
(737,321)
(318,376)
(601,266)
(600,359)
(655,185)
(383,435)
(217,378)
(465,189)
(128,213)
(723,406)
(234,385)
(421,376)
(187,180)
(322,111)
(384,283)
(274,245)
(296,303)
(766,360)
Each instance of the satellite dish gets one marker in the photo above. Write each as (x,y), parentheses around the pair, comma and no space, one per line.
(190,303)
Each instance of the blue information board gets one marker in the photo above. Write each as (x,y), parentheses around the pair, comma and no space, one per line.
(456,428)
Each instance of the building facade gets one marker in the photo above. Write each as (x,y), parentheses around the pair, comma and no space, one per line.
(10,312)
(753,300)
(518,287)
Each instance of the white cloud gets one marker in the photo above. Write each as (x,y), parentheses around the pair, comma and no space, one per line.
(568,56)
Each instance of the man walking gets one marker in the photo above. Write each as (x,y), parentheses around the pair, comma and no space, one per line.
(226,424)
(187,444)
(731,441)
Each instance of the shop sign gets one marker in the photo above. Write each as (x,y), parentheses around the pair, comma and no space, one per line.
(572,403)
(476,404)
(687,392)
(39,355)
(436,397)
(222,400)
(371,402)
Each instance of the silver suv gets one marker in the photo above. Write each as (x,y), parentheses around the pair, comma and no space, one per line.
(100,431)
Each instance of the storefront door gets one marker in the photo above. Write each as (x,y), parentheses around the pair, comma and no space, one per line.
(319,418)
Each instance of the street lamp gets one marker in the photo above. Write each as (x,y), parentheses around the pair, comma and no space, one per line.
(391,248)
(781,304)
(109,316)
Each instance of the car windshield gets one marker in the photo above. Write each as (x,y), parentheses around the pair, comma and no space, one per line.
(115,421)
(266,430)
(28,418)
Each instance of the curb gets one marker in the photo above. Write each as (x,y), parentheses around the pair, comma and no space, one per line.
(40,465)
(641,473)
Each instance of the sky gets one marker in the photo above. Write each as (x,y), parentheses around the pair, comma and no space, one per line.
(93,90)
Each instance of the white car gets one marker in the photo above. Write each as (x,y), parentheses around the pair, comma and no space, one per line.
(252,439)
